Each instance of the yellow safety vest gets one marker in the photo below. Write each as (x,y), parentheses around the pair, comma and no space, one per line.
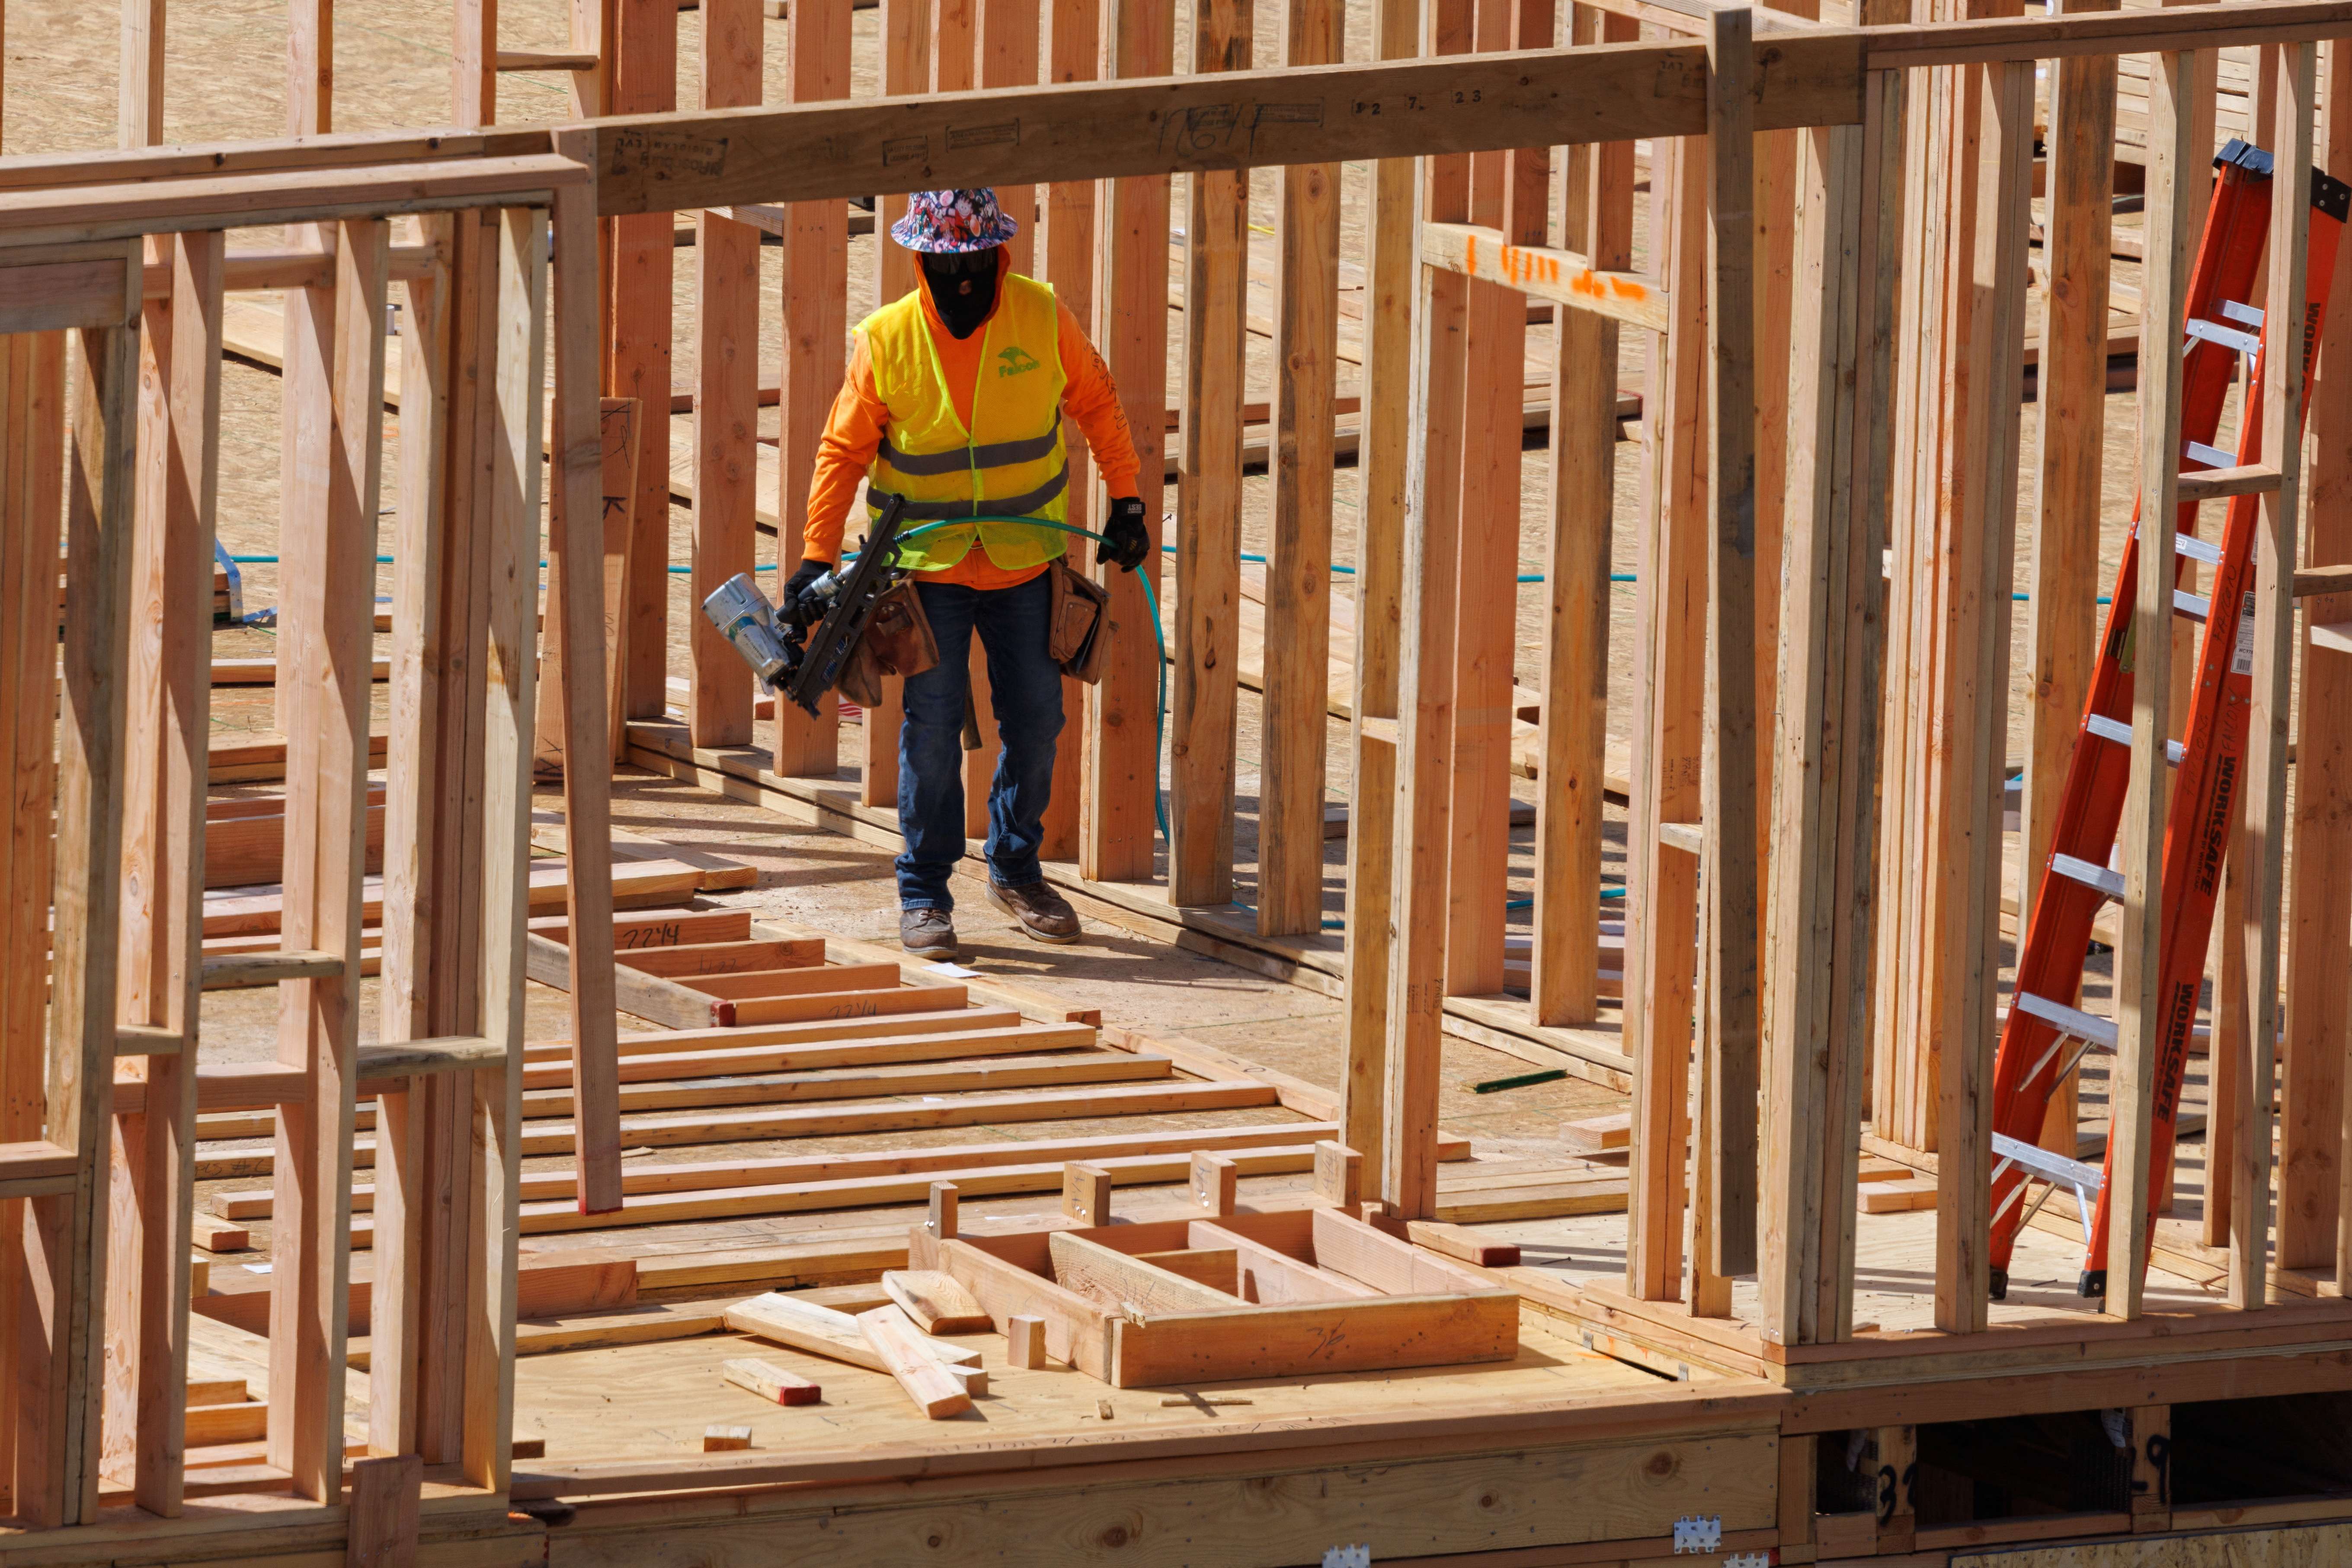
(1010,463)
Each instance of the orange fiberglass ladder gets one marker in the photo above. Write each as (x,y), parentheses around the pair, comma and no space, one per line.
(2045,1034)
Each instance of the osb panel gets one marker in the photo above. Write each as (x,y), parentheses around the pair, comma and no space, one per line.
(2290,1546)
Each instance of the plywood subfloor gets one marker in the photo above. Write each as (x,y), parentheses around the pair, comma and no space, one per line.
(1895,1276)
(641,1401)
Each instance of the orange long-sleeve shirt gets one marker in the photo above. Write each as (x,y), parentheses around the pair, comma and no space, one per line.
(854,432)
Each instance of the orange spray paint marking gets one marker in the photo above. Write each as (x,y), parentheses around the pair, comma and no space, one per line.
(1627,289)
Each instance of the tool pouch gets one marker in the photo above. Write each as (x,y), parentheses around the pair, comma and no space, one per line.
(897,641)
(1077,632)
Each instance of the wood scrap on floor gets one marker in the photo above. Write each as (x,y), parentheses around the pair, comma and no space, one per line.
(936,1304)
(906,1355)
(770,1381)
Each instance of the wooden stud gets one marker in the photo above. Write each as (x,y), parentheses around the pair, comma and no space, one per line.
(727,395)
(1025,1342)
(32,488)
(2141,844)
(2069,400)
(1072,46)
(1895,1463)
(643,75)
(447,989)
(577,532)
(940,1219)
(428,906)
(906,29)
(385,1497)
(1209,505)
(1485,649)
(2262,847)
(1005,50)
(1817,971)
(1415,962)
(1596,199)
(1086,1193)
(1215,1181)
(1729,802)
(1298,678)
(1662,881)
(329,547)
(906,69)
(1339,1175)
(453,941)
(1425,696)
(2326,543)
(955,53)
(1975,491)
(309,312)
(2150,1498)
(1391,285)
(496,1094)
(155,1165)
(815,332)
(60,1346)
(1121,761)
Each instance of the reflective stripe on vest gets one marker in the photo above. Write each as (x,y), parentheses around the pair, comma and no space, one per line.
(1010,462)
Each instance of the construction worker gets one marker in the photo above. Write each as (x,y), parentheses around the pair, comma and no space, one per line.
(954,400)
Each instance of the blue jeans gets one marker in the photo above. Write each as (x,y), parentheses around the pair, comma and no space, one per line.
(1025,688)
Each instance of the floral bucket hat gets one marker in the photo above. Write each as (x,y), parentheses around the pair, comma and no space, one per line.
(949,221)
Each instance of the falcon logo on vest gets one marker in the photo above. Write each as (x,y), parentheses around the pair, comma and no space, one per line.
(1018,360)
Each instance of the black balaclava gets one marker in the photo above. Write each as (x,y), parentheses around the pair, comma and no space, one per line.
(964,287)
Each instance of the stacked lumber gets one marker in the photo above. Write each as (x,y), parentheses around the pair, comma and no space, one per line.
(853,1045)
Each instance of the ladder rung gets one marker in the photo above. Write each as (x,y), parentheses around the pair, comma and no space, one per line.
(2213,484)
(2048,1164)
(2073,868)
(2244,315)
(2115,731)
(2229,338)
(2211,457)
(2195,549)
(2074,1021)
(2192,607)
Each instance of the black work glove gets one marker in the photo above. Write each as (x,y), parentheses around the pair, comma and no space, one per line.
(806,573)
(1125,542)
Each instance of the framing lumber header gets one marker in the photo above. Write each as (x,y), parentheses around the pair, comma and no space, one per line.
(1229,120)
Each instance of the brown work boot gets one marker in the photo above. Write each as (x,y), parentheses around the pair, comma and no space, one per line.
(1044,913)
(926,933)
